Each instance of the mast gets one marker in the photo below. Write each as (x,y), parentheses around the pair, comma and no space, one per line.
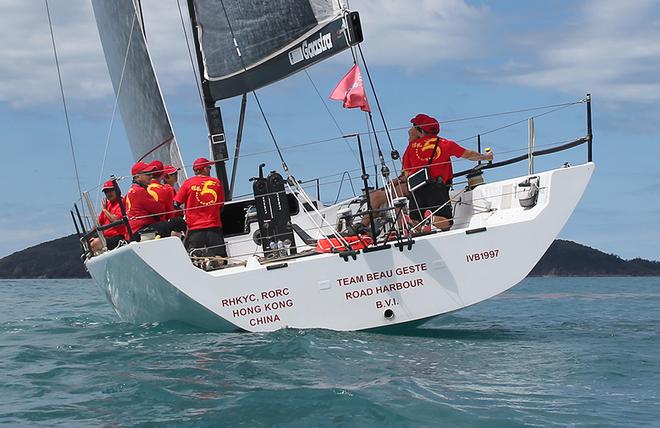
(216,128)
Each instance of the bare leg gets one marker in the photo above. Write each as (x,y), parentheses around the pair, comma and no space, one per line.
(378,197)
(442,223)
(95,245)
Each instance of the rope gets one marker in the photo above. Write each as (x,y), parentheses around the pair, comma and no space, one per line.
(66,111)
(341,182)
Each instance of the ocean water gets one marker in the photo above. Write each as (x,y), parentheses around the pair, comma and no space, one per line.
(551,352)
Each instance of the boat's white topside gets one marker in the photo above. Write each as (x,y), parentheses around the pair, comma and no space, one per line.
(486,253)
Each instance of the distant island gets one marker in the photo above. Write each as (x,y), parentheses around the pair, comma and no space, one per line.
(60,258)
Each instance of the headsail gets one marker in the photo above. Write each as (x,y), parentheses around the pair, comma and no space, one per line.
(247,45)
(140,100)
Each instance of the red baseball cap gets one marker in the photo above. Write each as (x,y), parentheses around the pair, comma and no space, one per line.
(201,163)
(157,165)
(428,124)
(108,185)
(141,168)
(169,169)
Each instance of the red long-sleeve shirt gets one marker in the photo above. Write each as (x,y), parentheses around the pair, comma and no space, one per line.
(114,209)
(140,204)
(164,196)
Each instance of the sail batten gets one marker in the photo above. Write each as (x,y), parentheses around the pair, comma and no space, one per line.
(247,45)
(139,96)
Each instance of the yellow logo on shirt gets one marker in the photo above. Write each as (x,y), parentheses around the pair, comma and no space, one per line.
(128,200)
(153,192)
(205,194)
(424,149)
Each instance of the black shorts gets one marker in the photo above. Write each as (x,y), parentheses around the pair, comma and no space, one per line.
(162,229)
(207,242)
(165,228)
(112,242)
(430,196)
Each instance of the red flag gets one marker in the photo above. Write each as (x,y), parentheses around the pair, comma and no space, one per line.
(351,91)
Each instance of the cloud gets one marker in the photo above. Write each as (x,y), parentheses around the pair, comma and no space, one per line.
(608,47)
(414,37)
(613,50)
(27,65)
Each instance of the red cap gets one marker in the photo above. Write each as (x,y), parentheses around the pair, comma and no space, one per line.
(157,165)
(429,124)
(201,163)
(169,169)
(141,168)
(108,185)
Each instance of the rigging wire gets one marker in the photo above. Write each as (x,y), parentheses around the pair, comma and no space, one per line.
(272,136)
(114,107)
(325,104)
(66,111)
(373,89)
(327,140)
(561,107)
(373,152)
(254,92)
(192,61)
(290,181)
(144,29)
(306,144)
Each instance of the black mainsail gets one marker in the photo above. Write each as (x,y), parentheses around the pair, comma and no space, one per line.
(246,45)
(139,97)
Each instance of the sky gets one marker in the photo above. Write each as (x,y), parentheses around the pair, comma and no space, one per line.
(448,58)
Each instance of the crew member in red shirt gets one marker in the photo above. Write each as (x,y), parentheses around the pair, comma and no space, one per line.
(159,192)
(428,150)
(142,209)
(422,138)
(170,178)
(110,212)
(203,197)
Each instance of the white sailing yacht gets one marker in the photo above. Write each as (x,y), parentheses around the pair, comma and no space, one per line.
(290,265)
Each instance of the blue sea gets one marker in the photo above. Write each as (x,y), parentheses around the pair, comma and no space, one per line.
(550,352)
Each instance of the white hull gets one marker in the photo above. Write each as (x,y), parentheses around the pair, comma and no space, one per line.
(443,272)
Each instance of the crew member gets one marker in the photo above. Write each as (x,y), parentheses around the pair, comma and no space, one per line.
(428,150)
(110,212)
(142,209)
(170,178)
(422,138)
(159,192)
(203,197)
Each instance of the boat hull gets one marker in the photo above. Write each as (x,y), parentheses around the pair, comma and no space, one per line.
(494,250)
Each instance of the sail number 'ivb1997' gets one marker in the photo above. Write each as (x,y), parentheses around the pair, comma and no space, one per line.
(482,255)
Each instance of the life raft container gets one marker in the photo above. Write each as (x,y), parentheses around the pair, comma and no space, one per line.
(356,242)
